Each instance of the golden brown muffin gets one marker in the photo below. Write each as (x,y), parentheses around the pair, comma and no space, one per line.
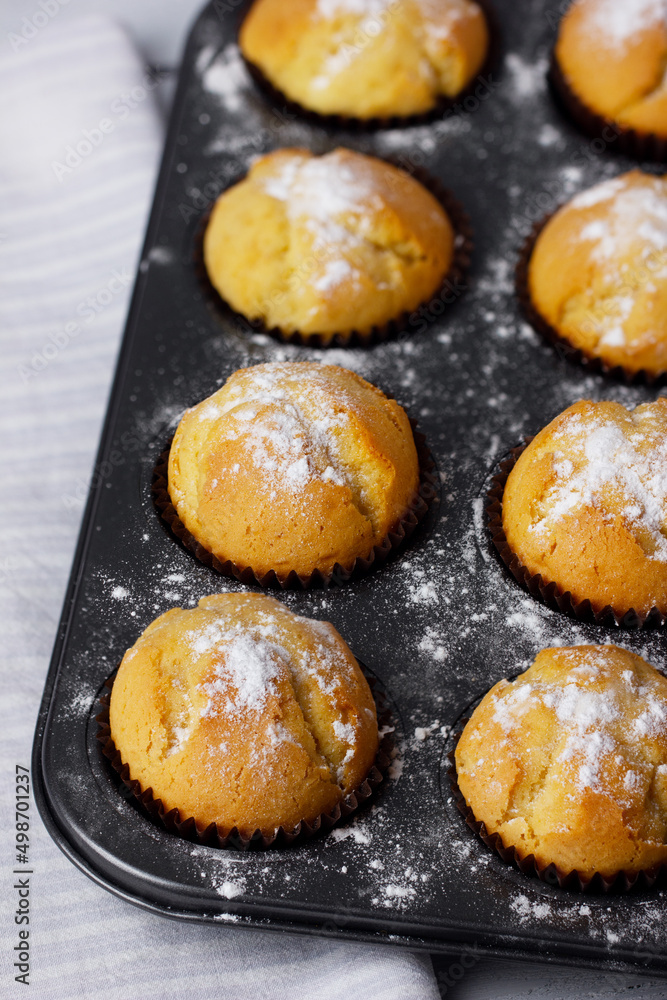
(326,244)
(241,713)
(295,466)
(612,55)
(586,505)
(366,58)
(569,761)
(598,272)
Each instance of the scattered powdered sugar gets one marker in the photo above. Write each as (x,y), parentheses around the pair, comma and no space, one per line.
(512,706)
(422,590)
(619,21)
(598,193)
(248,667)
(439,20)
(525,907)
(329,9)
(161,255)
(633,228)
(355,832)
(251,665)
(527,79)
(336,271)
(549,136)
(527,620)
(280,444)
(432,644)
(227,78)
(653,720)
(288,424)
(594,722)
(636,213)
(437,14)
(344,731)
(230,890)
(323,190)
(398,891)
(119,593)
(631,460)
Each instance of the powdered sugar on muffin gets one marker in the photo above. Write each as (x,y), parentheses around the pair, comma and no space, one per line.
(241,713)
(585,506)
(627,462)
(619,21)
(567,762)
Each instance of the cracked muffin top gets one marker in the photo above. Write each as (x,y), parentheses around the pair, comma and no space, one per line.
(598,272)
(326,244)
(366,58)
(585,505)
(241,713)
(612,54)
(569,761)
(293,466)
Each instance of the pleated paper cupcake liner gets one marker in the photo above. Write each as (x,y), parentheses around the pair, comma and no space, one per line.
(589,361)
(395,538)
(611,134)
(552,874)
(550,593)
(214,836)
(451,288)
(441,109)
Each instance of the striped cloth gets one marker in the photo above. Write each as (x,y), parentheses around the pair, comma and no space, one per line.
(74,197)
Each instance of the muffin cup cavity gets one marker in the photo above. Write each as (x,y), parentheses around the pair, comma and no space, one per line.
(452,286)
(550,593)
(564,348)
(619,882)
(212,835)
(426,494)
(610,134)
(444,106)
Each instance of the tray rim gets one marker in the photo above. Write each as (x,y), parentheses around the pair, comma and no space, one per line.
(460,938)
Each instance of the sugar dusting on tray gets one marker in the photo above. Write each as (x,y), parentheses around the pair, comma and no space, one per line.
(227,77)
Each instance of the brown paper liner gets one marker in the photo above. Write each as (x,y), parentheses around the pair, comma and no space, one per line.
(619,882)
(349,123)
(591,362)
(452,286)
(212,835)
(550,593)
(426,494)
(625,140)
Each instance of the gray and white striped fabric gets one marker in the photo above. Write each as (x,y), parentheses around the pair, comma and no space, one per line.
(74,198)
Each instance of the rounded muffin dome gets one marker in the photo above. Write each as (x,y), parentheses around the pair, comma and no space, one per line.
(585,506)
(598,272)
(293,467)
(612,56)
(569,761)
(241,713)
(366,58)
(326,244)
